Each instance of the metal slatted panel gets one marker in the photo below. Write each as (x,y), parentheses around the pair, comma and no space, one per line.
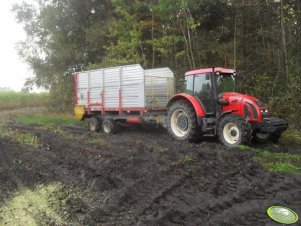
(132,87)
(110,81)
(111,87)
(82,88)
(159,87)
(96,86)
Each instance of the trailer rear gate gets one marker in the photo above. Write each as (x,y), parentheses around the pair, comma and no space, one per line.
(124,88)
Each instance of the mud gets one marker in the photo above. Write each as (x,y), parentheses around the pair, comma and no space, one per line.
(142,177)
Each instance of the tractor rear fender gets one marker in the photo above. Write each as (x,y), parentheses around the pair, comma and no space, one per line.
(199,110)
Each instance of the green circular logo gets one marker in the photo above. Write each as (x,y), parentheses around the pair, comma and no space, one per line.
(282,214)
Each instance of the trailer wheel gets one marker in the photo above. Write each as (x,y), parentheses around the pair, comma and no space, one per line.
(233,130)
(182,122)
(262,138)
(109,126)
(275,137)
(94,124)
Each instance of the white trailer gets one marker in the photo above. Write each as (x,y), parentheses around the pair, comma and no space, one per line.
(124,94)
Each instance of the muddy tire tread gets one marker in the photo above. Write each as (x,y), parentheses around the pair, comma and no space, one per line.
(194,134)
(241,123)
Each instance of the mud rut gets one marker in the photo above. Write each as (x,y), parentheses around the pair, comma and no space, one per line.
(143,177)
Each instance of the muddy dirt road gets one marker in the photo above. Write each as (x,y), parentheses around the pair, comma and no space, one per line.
(137,177)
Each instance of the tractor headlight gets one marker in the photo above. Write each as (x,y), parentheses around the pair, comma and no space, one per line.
(265,113)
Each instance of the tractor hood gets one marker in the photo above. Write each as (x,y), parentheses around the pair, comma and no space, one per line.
(232,96)
(245,105)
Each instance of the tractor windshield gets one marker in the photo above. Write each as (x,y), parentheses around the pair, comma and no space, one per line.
(225,83)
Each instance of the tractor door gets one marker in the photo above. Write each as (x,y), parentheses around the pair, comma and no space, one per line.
(203,91)
(200,86)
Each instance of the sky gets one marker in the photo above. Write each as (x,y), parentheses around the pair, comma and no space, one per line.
(13,70)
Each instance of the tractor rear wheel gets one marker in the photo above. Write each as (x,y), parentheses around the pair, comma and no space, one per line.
(233,130)
(182,122)
(94,124)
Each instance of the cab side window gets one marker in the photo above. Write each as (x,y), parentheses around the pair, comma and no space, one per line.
(189,85)
(203,91)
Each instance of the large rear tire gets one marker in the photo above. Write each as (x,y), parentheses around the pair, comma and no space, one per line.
(233,130)
(182,122)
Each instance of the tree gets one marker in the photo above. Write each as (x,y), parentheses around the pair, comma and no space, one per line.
(262,39)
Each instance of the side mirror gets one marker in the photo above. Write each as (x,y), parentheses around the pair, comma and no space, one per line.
(223,102)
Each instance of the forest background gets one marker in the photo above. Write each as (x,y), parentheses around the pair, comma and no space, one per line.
(259,38)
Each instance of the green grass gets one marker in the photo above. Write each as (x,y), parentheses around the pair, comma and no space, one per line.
(244,147)
(48,119)
(161,149)
(34,207)
(53,122)
(13,100)
(22,137)
(98,142)
(280,162)
(291,137)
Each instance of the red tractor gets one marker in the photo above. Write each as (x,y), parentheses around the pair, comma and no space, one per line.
(123,95)
(209,106)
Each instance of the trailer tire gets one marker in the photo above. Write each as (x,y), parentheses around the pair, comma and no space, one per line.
(94,124)
(261,138)
(109,126)
(234,130)
(182,122)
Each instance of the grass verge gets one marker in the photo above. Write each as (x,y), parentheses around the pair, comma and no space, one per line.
(291,137)
(21,137)
(280,162)
(49,119)
(39,206)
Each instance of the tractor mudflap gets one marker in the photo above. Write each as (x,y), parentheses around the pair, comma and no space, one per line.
(271,125)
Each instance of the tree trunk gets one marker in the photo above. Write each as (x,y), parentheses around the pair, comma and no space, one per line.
(154,54)
(190,42)
(234,40)
(298,2)
(187,45)
(284,40)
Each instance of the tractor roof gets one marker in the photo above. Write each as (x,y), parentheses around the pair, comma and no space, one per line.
(210,70)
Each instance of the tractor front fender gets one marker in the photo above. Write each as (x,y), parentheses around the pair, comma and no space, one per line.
(199,110)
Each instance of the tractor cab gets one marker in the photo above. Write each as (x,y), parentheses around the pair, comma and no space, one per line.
(208,86)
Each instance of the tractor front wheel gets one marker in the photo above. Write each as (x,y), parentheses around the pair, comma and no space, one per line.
(233,130)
